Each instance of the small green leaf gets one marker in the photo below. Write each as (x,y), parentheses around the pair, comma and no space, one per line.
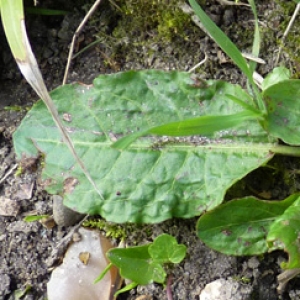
(136,264)
(283,106)
(240,227)
(284,234)
(275,76)
(103,273)
(20,293)
(126,288)
(35,218)
(165,249)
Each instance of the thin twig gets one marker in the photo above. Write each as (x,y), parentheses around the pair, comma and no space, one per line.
(292,20)
(59,250)
(76,34)
(169,284)
(8,173)
(253,58)
(198,64)
(285,277)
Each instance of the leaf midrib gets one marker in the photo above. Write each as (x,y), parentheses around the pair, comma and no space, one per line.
(173,146)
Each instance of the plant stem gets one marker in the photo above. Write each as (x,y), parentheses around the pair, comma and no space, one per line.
(286,150)
(169,291)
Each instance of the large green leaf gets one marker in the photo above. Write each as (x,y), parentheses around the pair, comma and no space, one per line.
(284,234)
(155,178)
(240,227)
(283,105)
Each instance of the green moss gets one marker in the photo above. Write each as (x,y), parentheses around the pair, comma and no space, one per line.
(242,279)
(111,230)
(163,20)
(134,234)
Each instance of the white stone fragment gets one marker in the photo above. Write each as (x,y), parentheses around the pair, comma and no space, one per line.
(220,289)
(73,279)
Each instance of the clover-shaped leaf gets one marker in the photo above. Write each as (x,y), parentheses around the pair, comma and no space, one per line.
(136,264)
(144,264)
(165,249)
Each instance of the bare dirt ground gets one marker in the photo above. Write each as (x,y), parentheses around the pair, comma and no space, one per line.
(25,247)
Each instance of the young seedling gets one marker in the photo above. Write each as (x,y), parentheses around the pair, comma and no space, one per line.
(144,264)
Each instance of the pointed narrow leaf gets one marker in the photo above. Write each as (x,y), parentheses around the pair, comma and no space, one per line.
(205,125)
(230,48)
(284,234)
(126,288)
(222,40)
(126,141)
(12,17)
(256,39)
(103,273)
(240,227)
(155,178)
(245,105)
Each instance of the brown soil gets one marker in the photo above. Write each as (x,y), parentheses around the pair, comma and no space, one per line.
(25,247)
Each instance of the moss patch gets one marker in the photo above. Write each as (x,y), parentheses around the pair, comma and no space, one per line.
(163,20)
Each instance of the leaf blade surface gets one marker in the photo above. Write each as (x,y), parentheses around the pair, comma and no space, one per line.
(284,234)
(154,179)
(282,120)
(240,227)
